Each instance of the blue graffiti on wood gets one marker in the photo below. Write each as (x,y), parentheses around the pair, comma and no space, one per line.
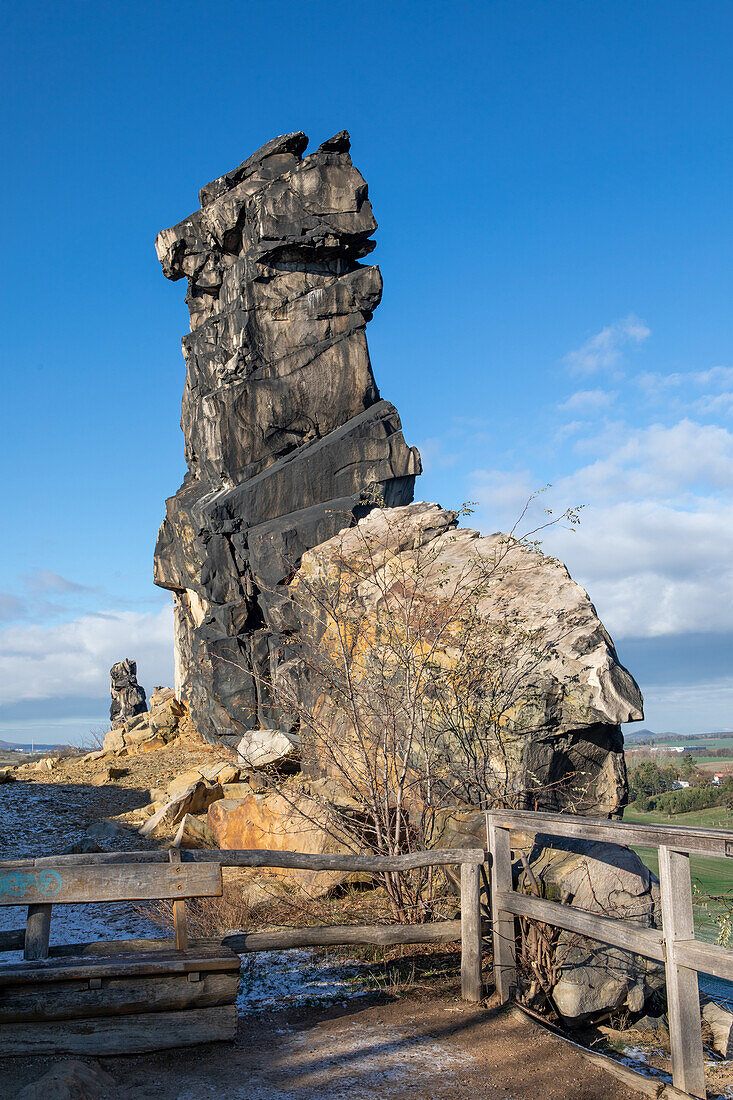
(16,883)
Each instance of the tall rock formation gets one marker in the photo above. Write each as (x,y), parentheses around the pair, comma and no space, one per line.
(286,437)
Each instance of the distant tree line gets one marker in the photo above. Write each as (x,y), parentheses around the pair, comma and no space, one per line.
(651,787)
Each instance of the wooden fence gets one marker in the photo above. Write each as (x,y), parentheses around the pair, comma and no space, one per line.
(34,939)
(674,944)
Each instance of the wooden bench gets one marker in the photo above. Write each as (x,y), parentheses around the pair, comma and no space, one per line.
(120,1003)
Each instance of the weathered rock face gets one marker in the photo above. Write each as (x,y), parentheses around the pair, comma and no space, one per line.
(561,696)
(128,697)
(292,821)
(285,433)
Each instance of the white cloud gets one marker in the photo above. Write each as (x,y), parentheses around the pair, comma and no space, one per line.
(74,658)
(588,401)
(45,581)
(714,376)
(605,348)
(714,404)
(651,569)
(654,544)
(657,461)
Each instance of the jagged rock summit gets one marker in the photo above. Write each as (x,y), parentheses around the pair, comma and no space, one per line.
(286,437)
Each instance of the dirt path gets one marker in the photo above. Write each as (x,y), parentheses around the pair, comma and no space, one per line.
(413,1048)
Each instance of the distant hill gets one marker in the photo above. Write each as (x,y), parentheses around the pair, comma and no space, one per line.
(634,735)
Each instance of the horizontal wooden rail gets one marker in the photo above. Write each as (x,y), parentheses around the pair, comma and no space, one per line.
(701,842)
(619,933)
(260,857)
(280,939)
(706,958)
(382,935)
(65,969)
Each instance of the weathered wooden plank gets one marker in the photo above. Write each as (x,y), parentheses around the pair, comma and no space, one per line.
(132,1034)
(707,958)
(382,935)
(165,962)
(620,933)
(12,940)
(471,984)
(505,961)
(260,857)
(111,948)
(120,882)
(76,1000)
(37,932)
(708,842)
(683,998)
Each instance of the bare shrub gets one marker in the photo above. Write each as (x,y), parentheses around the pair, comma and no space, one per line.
(423,704)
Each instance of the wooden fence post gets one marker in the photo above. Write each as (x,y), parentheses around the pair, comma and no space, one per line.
(179,910)
(502,923)
(683,997)
(471,984)
(37,931)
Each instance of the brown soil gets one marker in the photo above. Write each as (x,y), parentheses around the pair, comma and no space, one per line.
(414,1048)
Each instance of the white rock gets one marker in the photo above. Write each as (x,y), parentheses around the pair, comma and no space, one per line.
(721,1024)
(258,748)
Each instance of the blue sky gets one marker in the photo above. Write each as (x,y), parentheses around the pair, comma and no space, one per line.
(553,187)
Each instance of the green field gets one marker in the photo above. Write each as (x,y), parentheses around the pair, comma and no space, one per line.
(710,875)
(688,742)
(713,817)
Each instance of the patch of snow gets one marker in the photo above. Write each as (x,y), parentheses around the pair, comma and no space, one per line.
(38,819)
(284,979)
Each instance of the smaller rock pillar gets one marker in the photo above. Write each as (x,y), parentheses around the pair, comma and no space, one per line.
(128,698)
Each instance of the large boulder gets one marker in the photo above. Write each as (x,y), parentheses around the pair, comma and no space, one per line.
(288,821)
(587,979)
(285,432)
(536,706)
(269,748)
(720,1021)
(597,877)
